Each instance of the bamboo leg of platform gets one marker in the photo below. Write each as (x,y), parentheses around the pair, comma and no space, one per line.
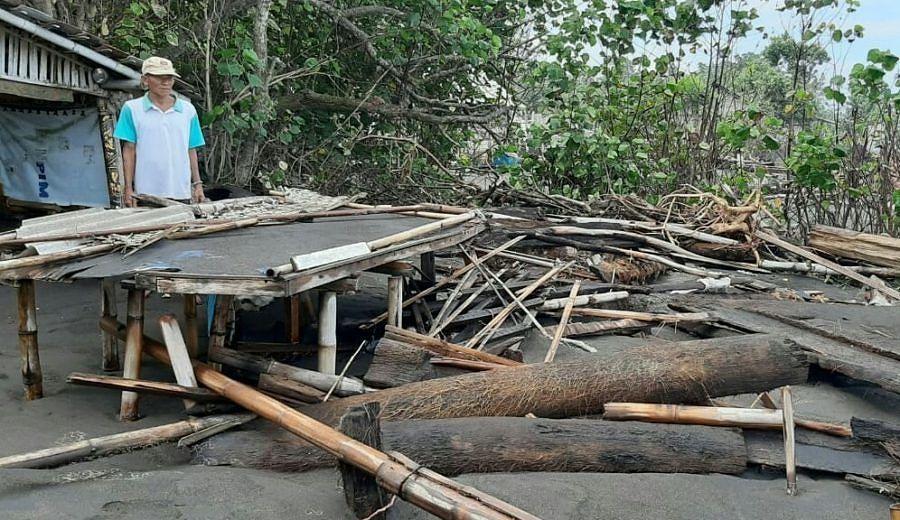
(108,310)
(292,318)
(28,343)
(134,345)
(191,333)
(327,332)
(395,301)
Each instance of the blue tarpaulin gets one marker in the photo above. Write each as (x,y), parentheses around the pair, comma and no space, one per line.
(54,157)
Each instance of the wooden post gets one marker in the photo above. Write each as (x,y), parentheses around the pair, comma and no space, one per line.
(28,343)
(108,310)
(790,465)
(219,329)
(327,332)
(178,354)
(134,343)
(191,334)
(395,301)
(292,318)
(361,491)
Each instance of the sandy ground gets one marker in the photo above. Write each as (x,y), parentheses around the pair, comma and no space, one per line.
(159,483)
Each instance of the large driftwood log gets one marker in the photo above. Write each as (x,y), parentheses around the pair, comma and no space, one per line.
(677,373)
(507,444)
(875,249)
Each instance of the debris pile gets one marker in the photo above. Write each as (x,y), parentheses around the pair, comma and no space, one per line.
(628,338)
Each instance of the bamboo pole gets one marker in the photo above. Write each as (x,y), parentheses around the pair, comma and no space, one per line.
(421,487)
(755,418)
(36,260)
(444,348)
(178,354)
(32,377)
(108,308)
(133,349)
(109,444)
(141,385)
(395,301)
(790,464)
(797,250)
(327,332)
(520,296)
(448,280)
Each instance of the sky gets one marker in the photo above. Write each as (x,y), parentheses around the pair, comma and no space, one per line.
(880,18)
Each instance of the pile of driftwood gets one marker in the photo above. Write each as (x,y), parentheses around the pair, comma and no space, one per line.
(564,343)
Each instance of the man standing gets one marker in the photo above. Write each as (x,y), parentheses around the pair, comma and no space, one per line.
(160,135)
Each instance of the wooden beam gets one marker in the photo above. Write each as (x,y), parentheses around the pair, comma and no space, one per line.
(191,332)
(395,301)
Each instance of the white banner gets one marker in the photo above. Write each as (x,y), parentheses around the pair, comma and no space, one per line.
(55,157)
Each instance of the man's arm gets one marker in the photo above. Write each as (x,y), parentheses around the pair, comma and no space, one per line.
(128,159)
(196,183)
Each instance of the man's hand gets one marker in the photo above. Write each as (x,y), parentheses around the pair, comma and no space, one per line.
(128,198)
(197,194)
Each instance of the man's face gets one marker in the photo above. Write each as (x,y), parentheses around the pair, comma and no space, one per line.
(159,85)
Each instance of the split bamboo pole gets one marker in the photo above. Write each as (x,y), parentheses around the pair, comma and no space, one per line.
(790,464)
(437,495)
(109,444)
(49,258)
(32,377)
(561,328)
(133,348)
(395,301)
(448,280)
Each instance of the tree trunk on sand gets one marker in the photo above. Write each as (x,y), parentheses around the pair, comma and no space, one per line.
(683,372)
(508,444)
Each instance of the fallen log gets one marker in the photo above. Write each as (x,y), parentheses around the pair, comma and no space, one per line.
(681,372)
(394,472)
(845,243)
(510,444)
(290,388)
(109,444)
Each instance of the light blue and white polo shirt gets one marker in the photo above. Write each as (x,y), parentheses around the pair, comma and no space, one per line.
(162,140)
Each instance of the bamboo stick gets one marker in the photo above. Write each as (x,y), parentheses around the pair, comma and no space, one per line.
(425,229)
(441,323)
(666,261)
(133,349)
(32,377)
(838,430)
(446,281)
(520,296)
(808,267)
(36,260)
(142,386)
(421,487)
(682,317)
(561,328)
(213,228)
(109,444)
(797,250)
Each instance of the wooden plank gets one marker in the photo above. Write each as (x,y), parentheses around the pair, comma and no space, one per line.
(797,250)
(178,354)
(165,283)
(32,91)
(329,256)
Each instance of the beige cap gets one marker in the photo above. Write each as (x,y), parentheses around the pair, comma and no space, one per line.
(158,67)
